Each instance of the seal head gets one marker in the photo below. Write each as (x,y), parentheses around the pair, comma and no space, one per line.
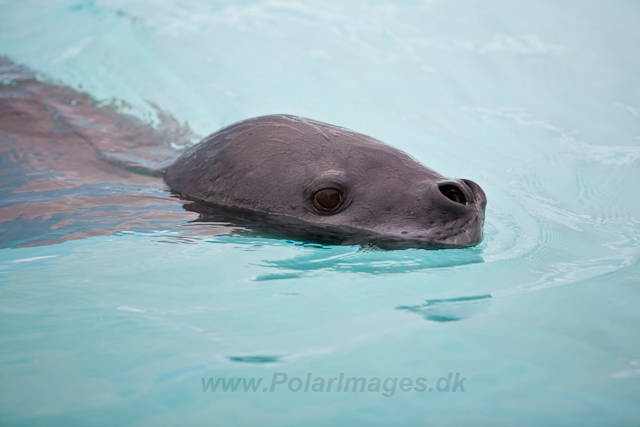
(327,184)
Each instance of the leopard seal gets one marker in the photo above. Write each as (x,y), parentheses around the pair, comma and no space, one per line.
(323,183)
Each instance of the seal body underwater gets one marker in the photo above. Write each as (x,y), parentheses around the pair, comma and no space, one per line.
(328,184)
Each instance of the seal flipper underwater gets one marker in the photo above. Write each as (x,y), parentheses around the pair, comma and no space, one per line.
(318,182)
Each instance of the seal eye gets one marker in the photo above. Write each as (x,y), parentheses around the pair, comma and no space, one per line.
(327,199)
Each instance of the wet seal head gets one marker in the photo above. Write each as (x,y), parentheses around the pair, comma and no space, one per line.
(298,178)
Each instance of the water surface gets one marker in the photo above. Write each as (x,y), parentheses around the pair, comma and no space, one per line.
(538,102)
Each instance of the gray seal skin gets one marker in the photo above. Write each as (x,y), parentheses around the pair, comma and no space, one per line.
(327,184)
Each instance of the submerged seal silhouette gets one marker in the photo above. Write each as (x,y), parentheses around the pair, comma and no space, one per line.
(327,184)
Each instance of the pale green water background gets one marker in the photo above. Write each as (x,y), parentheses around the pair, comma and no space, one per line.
(537,101)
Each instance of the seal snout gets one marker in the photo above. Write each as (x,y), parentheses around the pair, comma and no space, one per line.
(456,212)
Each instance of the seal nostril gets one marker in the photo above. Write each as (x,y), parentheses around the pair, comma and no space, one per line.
(453,193)
(477,192)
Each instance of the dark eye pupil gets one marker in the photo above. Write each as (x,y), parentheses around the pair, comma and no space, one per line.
(327,199)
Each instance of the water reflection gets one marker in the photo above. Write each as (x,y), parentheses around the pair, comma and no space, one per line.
(72,167)
(312,258)
(451,309)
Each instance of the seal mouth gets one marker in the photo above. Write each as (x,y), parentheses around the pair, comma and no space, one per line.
(460,233)
(463,232)
(457,241)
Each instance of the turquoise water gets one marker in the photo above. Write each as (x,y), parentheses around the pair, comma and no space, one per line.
(538,102)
